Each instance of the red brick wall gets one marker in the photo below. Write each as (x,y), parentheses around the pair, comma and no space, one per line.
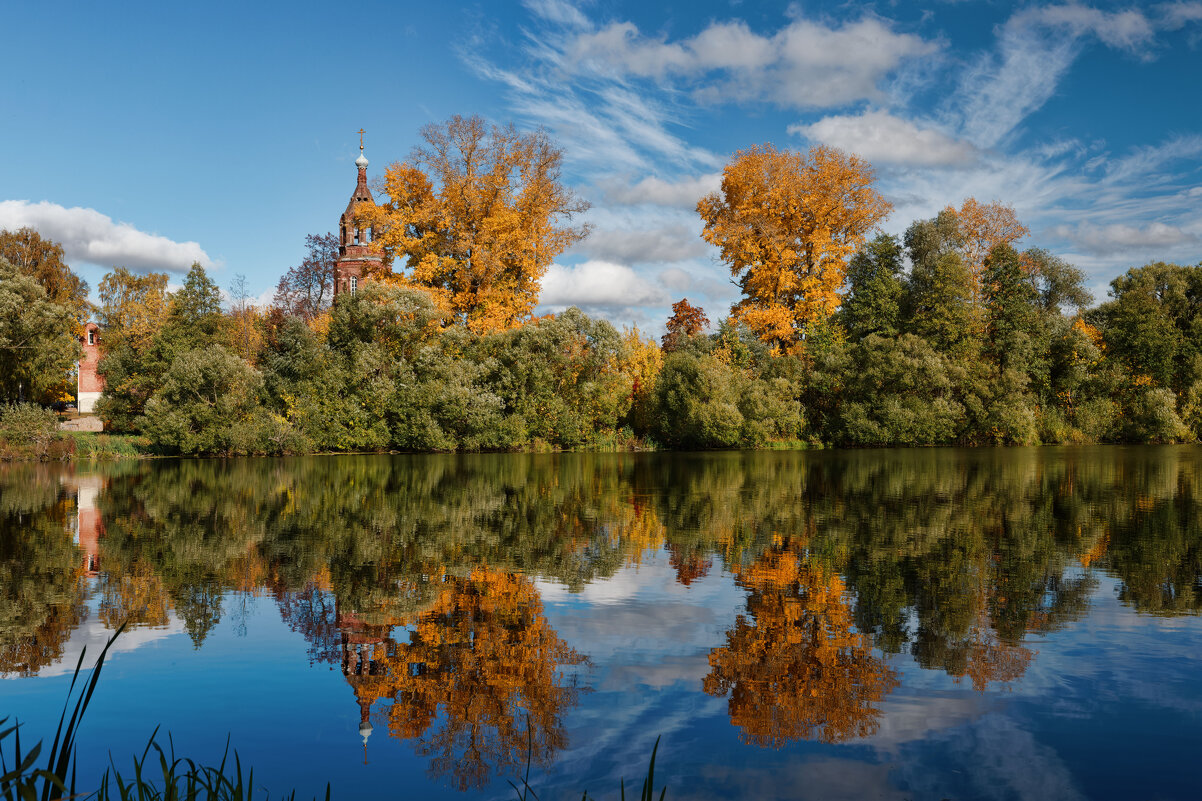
(89,381)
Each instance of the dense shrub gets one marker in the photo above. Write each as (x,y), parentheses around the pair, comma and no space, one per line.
(210,403)
(28,431)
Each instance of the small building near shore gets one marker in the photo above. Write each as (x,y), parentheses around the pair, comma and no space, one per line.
(89,383)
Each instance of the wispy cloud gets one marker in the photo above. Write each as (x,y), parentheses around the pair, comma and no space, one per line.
(1036,47)
(662,245)
(682,193)
(882,138)
(89,237)
(1152,240)
(1175,16)
(806,64)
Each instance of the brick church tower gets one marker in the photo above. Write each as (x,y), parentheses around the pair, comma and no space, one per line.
(355,257)
(89,384)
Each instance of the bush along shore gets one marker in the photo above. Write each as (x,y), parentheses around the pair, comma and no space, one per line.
(907,361)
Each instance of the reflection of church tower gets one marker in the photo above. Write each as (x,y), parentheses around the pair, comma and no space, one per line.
(89,527)
(355,258)
(366,678)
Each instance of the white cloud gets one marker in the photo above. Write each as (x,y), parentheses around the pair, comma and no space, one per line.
(93,238)
(1175,16)
(557,11)
(681,193)
(598,283)
(675,243)
(1127,30)
(1150,239)
(1036,47)
(882,138)
(676,279)
(805,64)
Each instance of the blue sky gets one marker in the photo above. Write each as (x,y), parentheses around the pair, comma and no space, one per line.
(152,135)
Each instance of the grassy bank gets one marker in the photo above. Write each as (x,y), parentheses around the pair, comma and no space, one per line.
(29,433)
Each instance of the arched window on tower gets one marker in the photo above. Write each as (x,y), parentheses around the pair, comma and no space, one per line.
(354,284)
(356,235)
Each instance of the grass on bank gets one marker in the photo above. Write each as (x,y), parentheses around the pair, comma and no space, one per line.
(158,775)
(29,433)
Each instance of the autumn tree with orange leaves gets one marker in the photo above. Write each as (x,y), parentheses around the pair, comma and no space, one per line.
(687,320)
(476,216)
(786,223)
(797,668)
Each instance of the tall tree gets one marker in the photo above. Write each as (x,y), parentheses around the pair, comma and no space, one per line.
(786,224)
(477,215)
(1010,308)
(981,227)
(196,308)
(686,321)
(44,261)
(873,303)
(133,308)
(1060,285)
(246,336)
(308,289)
(939,304)
(37,345)
(1153,323)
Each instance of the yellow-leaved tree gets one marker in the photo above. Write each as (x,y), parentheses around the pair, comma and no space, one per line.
(786,223)
(981,228)
(477,215)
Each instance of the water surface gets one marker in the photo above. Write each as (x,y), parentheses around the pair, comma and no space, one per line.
(1018,623)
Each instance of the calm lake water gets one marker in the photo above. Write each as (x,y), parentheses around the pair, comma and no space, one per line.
(1019,623)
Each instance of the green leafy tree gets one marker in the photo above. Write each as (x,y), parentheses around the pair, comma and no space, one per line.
(900,392)
(38,348)
(208,403)
(44,261)
(1010,309)
(875,289)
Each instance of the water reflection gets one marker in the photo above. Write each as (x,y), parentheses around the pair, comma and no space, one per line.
(415,576)
(796,668)
(476,683)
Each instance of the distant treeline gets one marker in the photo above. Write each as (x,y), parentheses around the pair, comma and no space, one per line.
(910,358)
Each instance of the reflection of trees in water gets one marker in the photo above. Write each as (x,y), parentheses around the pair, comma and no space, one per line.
(480,665)
(796,668)
(954,557)
(42,593)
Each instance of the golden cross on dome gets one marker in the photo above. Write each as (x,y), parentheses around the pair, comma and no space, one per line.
(361,132)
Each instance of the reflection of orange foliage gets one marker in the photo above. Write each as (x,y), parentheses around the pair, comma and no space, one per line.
(991,660)
(689,565)
(136,597)
(638,529)
(798,669)
(1096,552)
(479,663)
